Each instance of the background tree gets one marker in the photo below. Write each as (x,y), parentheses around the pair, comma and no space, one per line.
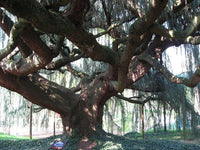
(140,30)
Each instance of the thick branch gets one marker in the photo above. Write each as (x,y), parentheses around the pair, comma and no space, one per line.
(191,82)
(146,88)
(40,91)
(82,84)
(137,70)
(136,36)
(181,5)
(133,8)
(43,55)
(38,16)
(192,40)
(78,10)
(6,24)
(175,10)
(23,66)
(179,35)
(62,62)
(136,101)
(14,36)
(33,40)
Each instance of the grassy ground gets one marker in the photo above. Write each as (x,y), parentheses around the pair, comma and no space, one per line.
(171,140)
(11,137)
(162,135)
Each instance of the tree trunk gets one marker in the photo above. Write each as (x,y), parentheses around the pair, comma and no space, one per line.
(85,118)
(178,121)
(80,120)
(81,112)
(194,124)
(184,119)
(164,115)
(31,118)
(143,121)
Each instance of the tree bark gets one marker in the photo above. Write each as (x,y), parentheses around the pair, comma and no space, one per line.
(184,119)
(164,115)
(82,113)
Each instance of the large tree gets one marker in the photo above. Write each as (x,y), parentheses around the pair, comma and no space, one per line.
(141,31)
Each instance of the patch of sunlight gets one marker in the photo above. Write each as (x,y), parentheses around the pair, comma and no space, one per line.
(195,20)
(153,3)
(12,137)
(171,33)
(111,146)
(189,38)
(177,137)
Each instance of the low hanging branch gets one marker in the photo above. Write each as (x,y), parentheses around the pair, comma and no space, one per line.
(136,101)
(191,82)
(62,62)
(147,88)
(23,66)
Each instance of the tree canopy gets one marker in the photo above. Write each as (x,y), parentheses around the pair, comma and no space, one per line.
(139,31)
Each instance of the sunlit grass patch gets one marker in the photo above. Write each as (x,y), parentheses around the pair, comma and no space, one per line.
(12,137)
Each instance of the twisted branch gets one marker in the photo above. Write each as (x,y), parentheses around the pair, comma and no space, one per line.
(191,82)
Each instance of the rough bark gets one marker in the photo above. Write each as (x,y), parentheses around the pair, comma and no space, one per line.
(83,111)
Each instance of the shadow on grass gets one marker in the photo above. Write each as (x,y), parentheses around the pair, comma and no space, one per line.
(112,142)
(105,141)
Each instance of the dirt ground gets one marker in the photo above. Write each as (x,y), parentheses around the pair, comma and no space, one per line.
(86,144)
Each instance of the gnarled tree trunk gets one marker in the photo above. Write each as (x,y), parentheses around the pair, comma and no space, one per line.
(80,112)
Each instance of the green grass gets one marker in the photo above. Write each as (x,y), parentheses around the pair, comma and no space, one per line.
(12,137)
